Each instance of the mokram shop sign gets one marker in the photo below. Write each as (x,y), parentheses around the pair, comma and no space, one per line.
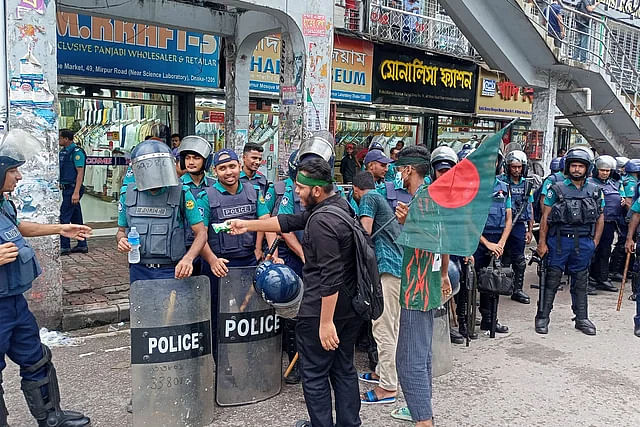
(350,73)
(91,46)
(412,77)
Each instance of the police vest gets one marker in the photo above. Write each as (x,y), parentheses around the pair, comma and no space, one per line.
(518,198)
(258,179)
(16,276)
(498,209)
(576,210)
(68,171)
(242,205)
(613,210)
(189,236)
(157,219)
(395,195)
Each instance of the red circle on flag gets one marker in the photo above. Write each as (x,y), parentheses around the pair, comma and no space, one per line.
(457,187)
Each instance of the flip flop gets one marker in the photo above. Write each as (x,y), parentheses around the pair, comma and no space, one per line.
(371,397)
(368,378)
(402,414)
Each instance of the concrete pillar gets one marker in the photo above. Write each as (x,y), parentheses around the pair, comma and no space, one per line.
(543,119)
(30,63)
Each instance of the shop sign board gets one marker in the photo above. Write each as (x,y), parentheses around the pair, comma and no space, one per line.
(91,46)
(412,77)
(498,96)
(350,74)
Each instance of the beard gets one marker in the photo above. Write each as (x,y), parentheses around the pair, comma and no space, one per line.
(310,202)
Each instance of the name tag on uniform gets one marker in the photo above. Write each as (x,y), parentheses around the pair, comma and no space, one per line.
(11,234)
(148,211)
(237,211)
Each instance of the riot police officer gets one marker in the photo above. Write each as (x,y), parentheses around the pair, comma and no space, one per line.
(195,158)
(72,163)
(570,230)
(630,190)
(631,246)
(19,332)
(492,242)
(159,206)
(522,228)
(613,217)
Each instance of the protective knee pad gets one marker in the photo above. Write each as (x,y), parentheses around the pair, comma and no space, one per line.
(581,281)
(38,403)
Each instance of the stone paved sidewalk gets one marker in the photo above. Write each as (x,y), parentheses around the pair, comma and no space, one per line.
(95,285)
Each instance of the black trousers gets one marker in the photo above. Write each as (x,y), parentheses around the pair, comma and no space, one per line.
(319,369)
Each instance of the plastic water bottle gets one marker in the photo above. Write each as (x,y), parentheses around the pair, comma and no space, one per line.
(134,240)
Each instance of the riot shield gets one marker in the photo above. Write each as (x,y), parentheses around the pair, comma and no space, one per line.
(442,359)
(249,344)
(171,362)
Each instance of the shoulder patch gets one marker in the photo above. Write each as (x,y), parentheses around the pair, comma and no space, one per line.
(190,204)
(120,207)
(285,200)
(268,196)
(77,156)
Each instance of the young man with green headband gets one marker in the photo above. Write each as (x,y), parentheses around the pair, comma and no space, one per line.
(327,325)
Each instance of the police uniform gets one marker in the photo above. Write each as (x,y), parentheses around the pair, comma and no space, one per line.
(262,185)
(629,185)
(493,229)
(514,247)
(635,284)
(199,194)
(572,222)
(70,158)
(613,193)
(160,219)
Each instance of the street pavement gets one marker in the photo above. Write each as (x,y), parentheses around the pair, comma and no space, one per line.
(518,379)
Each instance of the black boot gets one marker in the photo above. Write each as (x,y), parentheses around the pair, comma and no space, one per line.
(46,407)
(3,408)
(455,336)
(294,375)
(545,304)
(636,330)
(463,328)
(518,281)
(581,307)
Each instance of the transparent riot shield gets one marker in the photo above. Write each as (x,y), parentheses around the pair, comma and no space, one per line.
(442,360)
(171,361)
(249,343)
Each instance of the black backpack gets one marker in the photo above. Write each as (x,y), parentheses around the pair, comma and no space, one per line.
(367,301)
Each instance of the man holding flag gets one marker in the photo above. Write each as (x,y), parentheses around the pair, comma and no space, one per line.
(457,204)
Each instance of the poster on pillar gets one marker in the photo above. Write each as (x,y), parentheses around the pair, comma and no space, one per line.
(91,46)
(404,76)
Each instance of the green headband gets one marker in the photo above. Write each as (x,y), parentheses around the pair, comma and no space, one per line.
(311,182)
(410,161)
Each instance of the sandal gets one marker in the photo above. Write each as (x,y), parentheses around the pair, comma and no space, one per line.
(371,397)
(402,414)
(368,378)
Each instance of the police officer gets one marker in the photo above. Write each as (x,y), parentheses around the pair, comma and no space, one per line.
(492,242)
(630,190)
(572,220)
(159,206)
(613,217)
(631,246)
(19,332)
(72,162)
(522,229)
(195,158)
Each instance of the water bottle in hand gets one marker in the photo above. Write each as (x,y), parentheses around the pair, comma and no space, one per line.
(134,240)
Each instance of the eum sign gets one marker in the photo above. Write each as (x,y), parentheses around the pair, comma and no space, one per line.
(91,46)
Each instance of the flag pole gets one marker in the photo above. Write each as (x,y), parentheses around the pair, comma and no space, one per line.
(386,224)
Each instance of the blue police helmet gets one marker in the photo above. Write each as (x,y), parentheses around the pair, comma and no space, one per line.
(278,285)
(293,165)
(557,164)
(579,154)
(632,166)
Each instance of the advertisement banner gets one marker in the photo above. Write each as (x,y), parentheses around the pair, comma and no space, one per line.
(351,70)
(91,46)
(497,96)
(264,69)
(412,77)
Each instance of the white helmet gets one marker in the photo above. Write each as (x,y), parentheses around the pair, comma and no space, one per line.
(606,162)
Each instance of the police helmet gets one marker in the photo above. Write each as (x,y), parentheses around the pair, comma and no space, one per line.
(632,166)
(621,161)
(516,156)
(605,162)
(153,165)
(442,157)
(581,155)
(16,148)
(462,154)
(193,144)
(376,143)
(280,287)
(320,144)
(557,164)
(293,166)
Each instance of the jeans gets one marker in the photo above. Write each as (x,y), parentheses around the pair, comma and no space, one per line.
(413,359)
(580,51)
(70,214)
(320,368)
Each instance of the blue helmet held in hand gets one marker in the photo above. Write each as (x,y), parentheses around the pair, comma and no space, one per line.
(279,286)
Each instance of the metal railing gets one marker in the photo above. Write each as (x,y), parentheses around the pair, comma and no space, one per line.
(587,38)
(388,22)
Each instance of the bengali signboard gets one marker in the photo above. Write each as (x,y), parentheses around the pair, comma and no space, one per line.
(91,46)
(498,96)
(264,68)
(412,77)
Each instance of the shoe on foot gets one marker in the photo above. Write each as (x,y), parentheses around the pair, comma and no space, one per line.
(294,376)
(456,337)
(616,277)
(591,290)
(521,297)
(500,329)
(605,286)
(80,250)
(542,325)
(636,331)
(302,423)
(65,251)
(586,326)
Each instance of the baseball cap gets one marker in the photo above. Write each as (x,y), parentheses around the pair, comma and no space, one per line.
(442,165)
(376,156)
(223,156)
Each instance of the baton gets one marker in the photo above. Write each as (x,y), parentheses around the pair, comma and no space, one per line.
(624,280)
(291,365)
(386,224)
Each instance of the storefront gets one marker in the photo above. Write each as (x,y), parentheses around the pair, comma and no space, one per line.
(120,83)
